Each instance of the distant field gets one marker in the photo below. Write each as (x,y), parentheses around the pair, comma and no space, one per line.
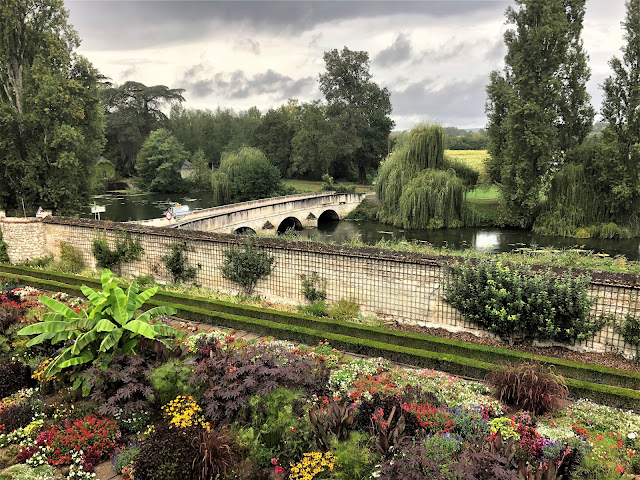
(473,158)
(316,185)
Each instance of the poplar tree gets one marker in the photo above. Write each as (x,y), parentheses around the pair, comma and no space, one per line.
(538,108)
(619,160)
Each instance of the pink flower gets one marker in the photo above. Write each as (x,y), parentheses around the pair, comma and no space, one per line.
(279,470)
(274,461)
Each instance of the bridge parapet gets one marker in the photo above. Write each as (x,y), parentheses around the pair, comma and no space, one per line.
(266,215)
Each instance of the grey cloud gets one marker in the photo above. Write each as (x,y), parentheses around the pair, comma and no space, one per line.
(116,24)
(398,52)
(249,44)
(129,72)
(452,104)
(237,85)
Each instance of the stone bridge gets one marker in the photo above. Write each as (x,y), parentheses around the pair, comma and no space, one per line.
(269,215)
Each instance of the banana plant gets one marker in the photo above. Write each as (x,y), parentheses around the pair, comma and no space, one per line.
(109,325)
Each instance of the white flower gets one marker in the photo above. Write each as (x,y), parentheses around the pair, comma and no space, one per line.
(632,436)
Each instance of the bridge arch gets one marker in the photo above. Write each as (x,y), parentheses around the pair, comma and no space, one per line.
(328,216)
(244,231)
(289,223)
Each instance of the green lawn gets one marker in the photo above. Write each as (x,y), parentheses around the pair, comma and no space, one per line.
(304,186)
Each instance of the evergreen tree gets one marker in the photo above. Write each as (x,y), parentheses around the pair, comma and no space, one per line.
(619,160)
(51,123)
(538,109)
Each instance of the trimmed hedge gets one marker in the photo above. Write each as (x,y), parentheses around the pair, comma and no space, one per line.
(414,349)
(567,368)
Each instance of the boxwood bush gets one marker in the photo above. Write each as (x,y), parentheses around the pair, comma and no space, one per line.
(517,304)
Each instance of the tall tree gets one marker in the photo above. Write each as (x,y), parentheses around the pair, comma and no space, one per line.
(620,160)
(359,110)
(273,137)
(312,147)
(132,112)
(159,161)
(539,108)
(51,124)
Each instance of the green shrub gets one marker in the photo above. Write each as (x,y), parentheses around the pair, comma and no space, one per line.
(4,256)
(329,185)
(145,281)
(354,456)
(313,287)
(316,309)
(170,380)
(176,263)
(126,250)
(245,266)
(70,259)
(41,262)
(630,331)
(344,310)
(518,304)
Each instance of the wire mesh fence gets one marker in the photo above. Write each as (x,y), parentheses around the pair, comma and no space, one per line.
(404,286)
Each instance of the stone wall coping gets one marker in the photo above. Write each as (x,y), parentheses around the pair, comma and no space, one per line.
(598,277)
(20,219)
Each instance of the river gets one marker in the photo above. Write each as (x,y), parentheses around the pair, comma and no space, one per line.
(121,208)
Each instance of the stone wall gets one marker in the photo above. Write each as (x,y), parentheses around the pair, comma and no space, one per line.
(404,286)
(25,238)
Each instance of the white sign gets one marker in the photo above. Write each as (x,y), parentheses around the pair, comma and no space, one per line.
(98,209)
(39,213)
(180,210)
(168,215)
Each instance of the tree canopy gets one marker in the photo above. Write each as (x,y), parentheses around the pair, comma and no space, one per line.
(51,124)
(243,175)
(539,108)
(418,187)
(359,112)
(159,161)
(132,112)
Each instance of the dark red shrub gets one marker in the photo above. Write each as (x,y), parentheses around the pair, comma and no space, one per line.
(230,378)
(531,387)
(167,454)
(14,376)
(16,416)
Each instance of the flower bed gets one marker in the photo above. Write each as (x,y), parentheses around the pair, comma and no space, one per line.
(209,405)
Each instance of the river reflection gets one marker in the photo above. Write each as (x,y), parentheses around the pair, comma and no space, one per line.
(481,239)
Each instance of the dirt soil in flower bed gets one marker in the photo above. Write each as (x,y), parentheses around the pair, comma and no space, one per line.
(606,359)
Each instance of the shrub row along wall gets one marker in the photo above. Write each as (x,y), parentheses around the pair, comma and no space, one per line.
(404,286)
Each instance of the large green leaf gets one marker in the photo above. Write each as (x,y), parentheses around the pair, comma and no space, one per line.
(83,341)
(43,337)
(129,347)
(144,296)
(111,340)
(156,311)
(57,306)
(105,325)
(82,324)
(141,328)
(132,296)
(85,357)
(118,306)
(43,327)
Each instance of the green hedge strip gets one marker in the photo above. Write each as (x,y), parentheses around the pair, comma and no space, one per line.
(609,395)
(584,372)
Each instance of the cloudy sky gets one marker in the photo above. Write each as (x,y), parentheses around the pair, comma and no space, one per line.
(434,56)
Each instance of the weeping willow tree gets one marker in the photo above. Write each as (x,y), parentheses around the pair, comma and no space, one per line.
(574,207)
(245,174)
(419,188)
